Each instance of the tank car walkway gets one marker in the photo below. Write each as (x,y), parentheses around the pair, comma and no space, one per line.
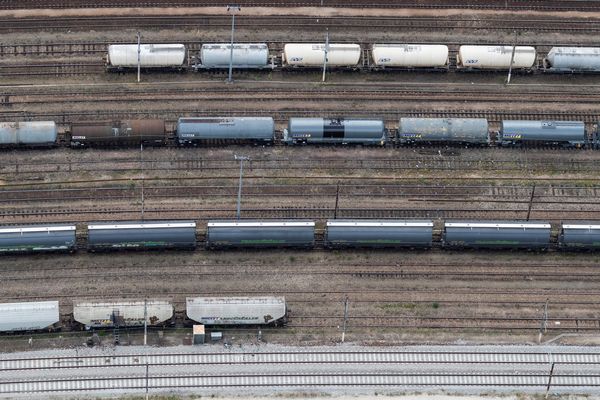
(262,370)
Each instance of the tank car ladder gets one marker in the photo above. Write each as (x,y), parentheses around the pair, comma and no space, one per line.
(366,58)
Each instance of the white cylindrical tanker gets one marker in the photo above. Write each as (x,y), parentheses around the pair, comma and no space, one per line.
(410,55)
(151,56)
(573,59)
(312,55)
(495,57)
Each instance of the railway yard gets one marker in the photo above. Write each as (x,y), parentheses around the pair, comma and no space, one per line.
(513,309)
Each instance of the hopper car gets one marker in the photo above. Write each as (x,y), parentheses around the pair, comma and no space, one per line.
(342,233)
(111,314)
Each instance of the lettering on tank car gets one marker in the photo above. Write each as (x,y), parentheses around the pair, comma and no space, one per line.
(297,59)
(412,135)
(77,137)
(384,60)
(301,135)
(513,135)
(471,61)
(334,129)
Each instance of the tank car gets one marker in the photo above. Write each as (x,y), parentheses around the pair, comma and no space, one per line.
(308,55)
(259,234)
(37,238)
(118,133)
(106,314)
(217,130)
(29,316)
(410,55)
(335,131)
(122,56)
(495,57)
(143,235)
(573,59)
(378,233)
(237,310)
(245,56)
(580,236)
(564,133)
(28,134)
(443,130)
(497,235)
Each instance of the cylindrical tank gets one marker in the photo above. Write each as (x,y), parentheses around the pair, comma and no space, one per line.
(225,129)
(378,233)
(258,234)
(37,238)
(571,133)
(335,131)
(580,236)
(129,132)
(28,133)
(151,55)
(142,235)
(245,55)
(313,55)
(410,55)
(457,130)
(496,57)
(574,59)
(497,234)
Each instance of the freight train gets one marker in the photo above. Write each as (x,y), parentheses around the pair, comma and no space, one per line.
(209,311)
(197,131)
(375,57)
(338,234)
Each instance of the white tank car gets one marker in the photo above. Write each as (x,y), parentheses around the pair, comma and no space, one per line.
(312,55)
(495,57)
(410,55)
(151,55)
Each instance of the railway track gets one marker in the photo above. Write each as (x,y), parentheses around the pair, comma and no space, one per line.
(513,369)
(566,25)
(540,5)
(589,117)
(448,160)
(207,96)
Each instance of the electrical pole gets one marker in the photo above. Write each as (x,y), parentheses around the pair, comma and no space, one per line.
(512,59)
(147,380)
(142,168)
(345,319)
(232,9)
(325,51)
(145,322)
(139,57)
(549,380)
(337,198)
(544,322)
(241,159)
(530,202)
